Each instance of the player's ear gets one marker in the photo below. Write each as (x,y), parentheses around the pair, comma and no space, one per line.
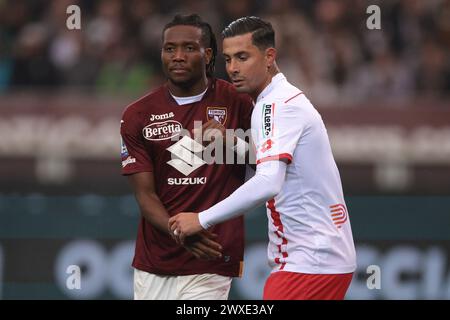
(271,55)
(208,55)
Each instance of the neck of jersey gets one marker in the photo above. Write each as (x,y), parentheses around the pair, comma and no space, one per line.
(187,100)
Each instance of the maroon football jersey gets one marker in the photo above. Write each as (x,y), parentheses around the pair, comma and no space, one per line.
(147,129)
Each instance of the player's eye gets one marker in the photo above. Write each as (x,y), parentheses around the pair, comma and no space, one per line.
(168,49)
(227,60)
(242,57)
(190,48)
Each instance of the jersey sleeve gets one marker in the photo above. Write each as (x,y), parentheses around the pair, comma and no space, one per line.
(135,157)
(279,127)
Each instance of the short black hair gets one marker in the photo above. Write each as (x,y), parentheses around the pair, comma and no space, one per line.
(208,37)
(263,35)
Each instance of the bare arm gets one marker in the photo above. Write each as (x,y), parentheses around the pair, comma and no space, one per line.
(153,211)
(150,205)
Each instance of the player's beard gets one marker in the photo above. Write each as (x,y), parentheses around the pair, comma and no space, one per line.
(187,83)
(241,89)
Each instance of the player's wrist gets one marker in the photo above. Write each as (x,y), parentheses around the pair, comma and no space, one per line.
(203,220)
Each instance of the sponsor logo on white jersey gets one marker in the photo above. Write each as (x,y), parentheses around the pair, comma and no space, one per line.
(162,130)
(163,116)
(267,114)
(184,158)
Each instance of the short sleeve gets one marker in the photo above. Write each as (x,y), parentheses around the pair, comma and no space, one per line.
(135,157)
(279,129)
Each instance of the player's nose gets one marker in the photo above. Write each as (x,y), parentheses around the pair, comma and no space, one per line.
(178,55)
(232,67)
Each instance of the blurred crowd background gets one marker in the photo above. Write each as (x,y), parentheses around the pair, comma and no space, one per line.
(324,46)
(384,96)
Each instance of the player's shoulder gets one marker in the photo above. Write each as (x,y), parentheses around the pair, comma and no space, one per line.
(290,98)
(142,103)
(287,94)
(226,89)
(289,103)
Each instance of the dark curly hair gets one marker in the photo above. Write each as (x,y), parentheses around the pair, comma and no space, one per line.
(208,37)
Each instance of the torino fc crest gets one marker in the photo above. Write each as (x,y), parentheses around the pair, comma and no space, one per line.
(217,113)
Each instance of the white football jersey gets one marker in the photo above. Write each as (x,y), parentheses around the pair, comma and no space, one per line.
(309,225)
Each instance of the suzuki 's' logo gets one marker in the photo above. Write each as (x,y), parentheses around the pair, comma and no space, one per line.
(184,157)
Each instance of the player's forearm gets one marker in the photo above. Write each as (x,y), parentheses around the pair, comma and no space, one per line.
(153,210)
(266,184)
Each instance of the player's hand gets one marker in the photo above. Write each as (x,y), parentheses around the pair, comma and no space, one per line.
(183,225)
(203,246)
